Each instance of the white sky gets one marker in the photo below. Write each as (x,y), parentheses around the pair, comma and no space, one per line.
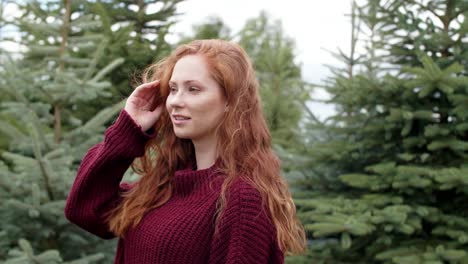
(315,26)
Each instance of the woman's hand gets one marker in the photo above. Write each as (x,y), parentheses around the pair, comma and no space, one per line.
(140,103)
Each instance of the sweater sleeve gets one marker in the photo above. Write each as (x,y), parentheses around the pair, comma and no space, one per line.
(246,233)
(96,188)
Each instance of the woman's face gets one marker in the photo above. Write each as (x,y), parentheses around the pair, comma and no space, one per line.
(197,96)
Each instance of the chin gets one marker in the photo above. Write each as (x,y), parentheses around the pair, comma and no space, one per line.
(182,135)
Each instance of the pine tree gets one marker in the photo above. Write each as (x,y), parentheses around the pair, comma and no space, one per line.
(387,182)
(46,138)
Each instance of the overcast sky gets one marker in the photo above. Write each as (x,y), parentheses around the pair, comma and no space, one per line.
(314,25)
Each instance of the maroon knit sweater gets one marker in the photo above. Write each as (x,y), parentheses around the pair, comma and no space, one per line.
(181,230)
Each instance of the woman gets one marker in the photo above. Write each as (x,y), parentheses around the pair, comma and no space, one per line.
(211,190)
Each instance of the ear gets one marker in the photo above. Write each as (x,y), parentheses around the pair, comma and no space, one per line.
(226,108)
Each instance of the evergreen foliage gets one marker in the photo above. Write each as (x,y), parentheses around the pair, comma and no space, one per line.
(387,181)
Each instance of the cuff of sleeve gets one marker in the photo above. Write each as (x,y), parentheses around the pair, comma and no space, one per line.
(126,135)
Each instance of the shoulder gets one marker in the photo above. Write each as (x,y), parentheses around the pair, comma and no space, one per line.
(246,202)
(243,192)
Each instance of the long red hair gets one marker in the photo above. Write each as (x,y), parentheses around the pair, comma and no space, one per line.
(243,136)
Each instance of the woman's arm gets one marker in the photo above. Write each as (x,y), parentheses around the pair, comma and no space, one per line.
(246,233)
(97,186)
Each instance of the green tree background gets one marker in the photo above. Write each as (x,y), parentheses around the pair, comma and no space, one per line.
(384,180)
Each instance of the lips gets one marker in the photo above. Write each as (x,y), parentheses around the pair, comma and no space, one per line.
(180,122)
(180,116)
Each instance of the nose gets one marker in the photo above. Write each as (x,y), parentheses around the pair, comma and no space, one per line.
(176,100)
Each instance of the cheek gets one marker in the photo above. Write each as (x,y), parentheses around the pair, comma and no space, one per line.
(207,116)
(207,108)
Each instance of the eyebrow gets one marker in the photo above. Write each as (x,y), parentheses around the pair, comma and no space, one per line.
(185,82)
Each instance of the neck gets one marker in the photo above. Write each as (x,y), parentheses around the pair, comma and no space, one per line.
(205,154)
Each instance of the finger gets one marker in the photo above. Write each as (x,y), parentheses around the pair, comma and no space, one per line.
(154,115)
(148,85)
(156,112)
(145,91)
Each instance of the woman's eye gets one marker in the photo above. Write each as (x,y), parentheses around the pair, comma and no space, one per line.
(172,89)
(193,89)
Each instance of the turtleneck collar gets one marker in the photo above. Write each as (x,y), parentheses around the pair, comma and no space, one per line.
(188,180)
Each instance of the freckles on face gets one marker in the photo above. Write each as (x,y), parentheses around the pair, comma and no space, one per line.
(194,94)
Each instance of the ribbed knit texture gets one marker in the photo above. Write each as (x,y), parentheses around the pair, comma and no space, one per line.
(182,230)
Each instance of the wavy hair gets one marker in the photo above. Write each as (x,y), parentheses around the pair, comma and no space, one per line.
(242,134)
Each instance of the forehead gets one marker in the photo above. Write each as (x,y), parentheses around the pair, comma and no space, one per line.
(190,67)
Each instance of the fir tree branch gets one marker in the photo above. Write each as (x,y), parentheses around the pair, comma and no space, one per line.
(309,112)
